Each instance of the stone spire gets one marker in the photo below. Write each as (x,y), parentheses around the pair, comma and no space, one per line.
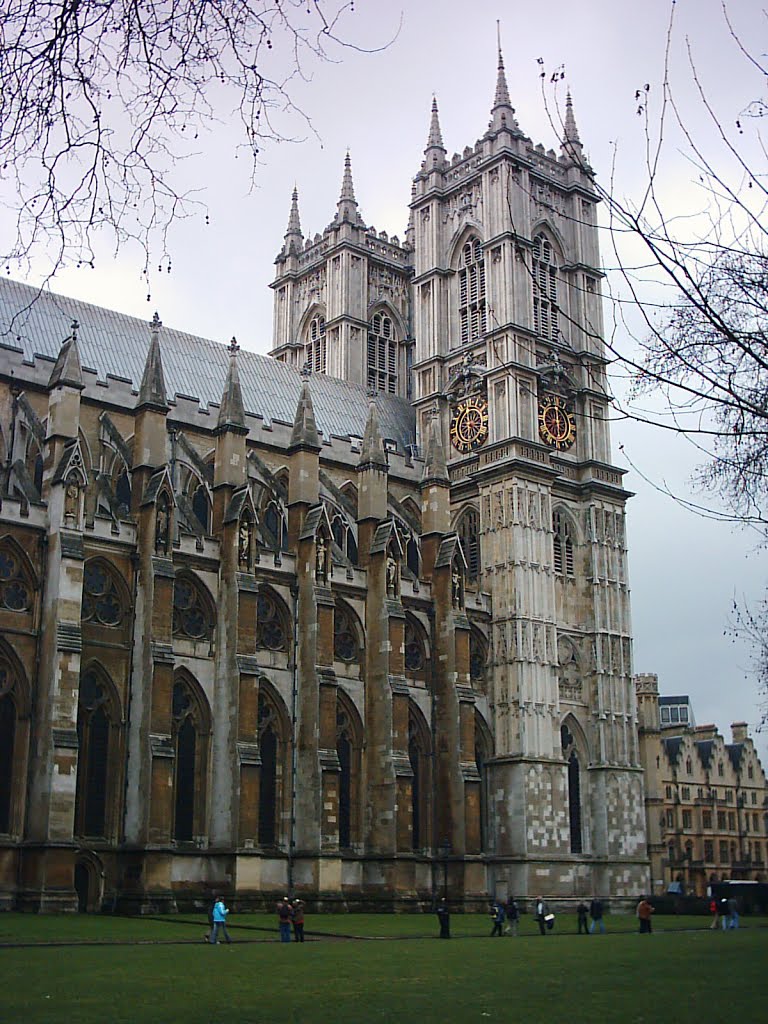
(571,145)
(68,370)
(293,236)
(231,410)
(347,204)
(372,452)
(502,111)
(305,433)
(152,390)
(434,154)
(435,468)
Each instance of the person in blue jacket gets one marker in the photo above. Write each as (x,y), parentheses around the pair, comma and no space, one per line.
(498,917)
(219,921)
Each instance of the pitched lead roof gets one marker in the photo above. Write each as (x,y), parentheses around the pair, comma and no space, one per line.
(111,344)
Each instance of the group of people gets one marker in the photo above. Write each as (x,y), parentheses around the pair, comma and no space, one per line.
(726,912)
(504,913)
(290,914)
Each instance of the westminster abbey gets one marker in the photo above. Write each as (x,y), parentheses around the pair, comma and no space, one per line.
(348,621)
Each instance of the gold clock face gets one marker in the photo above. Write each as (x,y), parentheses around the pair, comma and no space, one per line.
(557,424)
(469,424)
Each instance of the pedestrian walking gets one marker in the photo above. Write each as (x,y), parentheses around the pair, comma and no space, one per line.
(513,917)
(733,913)
(644,911)
(714,912)
(498,917)
(542,913)
(298,920)
(581,913)
(284,919)
(596,913)
(211,905)
(219,923)
(444,917)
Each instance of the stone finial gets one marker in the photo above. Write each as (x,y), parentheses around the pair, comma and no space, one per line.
(68,370)
(231,410)
(152,389)
(372,451)
(347,204)
(435,468)
(435,138)
(304,434)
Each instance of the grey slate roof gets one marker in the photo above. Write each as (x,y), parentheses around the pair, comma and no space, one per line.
(112,344)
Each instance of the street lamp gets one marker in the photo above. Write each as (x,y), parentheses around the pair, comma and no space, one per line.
(446,849)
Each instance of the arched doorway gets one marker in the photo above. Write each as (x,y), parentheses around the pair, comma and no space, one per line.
(83,886)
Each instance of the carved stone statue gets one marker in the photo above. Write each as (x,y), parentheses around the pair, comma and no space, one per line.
(244,536)
(321,560)
(162,526)
(456,587)
(391,575)
(72,499)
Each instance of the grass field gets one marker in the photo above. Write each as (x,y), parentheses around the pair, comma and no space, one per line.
(682,973)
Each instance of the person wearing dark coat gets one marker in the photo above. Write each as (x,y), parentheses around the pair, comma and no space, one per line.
(582,912)
(444,917)
(497,916)
(596,913)
(513,917)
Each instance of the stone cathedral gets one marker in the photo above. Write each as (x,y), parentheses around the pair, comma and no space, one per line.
(351,620)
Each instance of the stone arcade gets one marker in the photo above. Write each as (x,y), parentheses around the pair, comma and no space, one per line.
(340,619)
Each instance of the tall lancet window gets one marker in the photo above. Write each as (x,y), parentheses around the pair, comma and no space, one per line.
(472,309)
(545,317)
(382,354)
(315,346)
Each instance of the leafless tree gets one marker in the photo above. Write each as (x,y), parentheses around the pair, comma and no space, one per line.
(100,100)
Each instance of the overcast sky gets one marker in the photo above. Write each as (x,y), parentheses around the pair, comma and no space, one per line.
(685,571)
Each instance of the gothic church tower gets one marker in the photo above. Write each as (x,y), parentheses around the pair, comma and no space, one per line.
(510,360)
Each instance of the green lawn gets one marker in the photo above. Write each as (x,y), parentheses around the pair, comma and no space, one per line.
(683,976)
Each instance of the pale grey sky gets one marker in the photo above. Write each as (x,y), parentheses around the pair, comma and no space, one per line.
(685,571)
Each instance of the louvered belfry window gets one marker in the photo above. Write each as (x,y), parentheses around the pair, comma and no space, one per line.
(473,314)
(315,348)
(382,354)
(545,316)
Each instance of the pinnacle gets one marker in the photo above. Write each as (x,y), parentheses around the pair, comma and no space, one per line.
(152,390)
(231,410)
(571,131)
(501,98)
(304,434)
(347,187)
(68,369)
(294,223)
(435,139)
(435,467)
(372,449)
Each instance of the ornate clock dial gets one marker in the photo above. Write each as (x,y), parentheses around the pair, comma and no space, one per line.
(557,425)
(469,424)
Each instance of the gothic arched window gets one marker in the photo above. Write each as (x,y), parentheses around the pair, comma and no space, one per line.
(271,624)
(101,595)
(7,742)
(315,346)
(478,660)
(574,803)
(192,617)
(562,555)
(345,640)
(348,750)
(468,529)
(189,737)
(15,588)
(418,756)
(201,506)
(472,304)
(483,752)
(382,354)
(93,733)
(344,537)
(123,493)
(545,316)
(271,747)
(274,527)
(415,656)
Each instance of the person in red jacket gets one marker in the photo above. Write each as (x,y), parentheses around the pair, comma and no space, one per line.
(644,911)
(298,920)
